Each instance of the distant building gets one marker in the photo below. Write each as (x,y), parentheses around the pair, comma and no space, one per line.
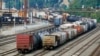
(66,2)
(3,5)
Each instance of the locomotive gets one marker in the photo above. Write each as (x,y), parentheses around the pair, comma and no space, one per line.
(7,18)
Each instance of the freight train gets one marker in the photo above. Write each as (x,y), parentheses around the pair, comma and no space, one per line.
(53,36)
(50,16)
(8,18)
(67,32)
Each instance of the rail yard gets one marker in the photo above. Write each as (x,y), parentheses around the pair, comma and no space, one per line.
(79,46)
(37,31)
(85,44)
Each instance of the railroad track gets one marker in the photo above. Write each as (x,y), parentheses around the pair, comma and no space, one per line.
(86,46)
(19,54)
(7,42)
(41,53)
(96,52)
(12,38)
(10,41)
(45,51)
(6,38)
(69,47)
(8,52)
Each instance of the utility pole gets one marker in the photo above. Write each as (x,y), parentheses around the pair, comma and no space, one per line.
(25,9)
(25,2)
(0,4)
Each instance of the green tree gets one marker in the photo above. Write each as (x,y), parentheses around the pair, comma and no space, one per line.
(87,3)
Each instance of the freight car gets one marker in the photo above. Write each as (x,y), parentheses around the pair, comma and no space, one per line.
(65,26)
(58,38)
(58,20)
(28,42)
(67,33)
(55,39)
(73,18)
(40,15)
(7,18)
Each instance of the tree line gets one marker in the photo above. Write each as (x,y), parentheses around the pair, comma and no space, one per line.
(32,3)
